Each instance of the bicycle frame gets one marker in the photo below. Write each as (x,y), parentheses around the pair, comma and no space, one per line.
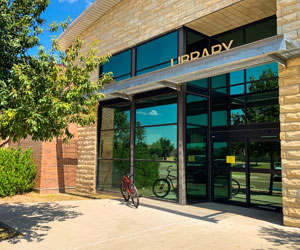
(127,183)
(170,177)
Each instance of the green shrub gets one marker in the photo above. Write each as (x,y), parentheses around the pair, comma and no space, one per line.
(17,171)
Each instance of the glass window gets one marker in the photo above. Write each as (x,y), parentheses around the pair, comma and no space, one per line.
(220,106)
(261,30)
(236,36)
(262,72)
(119,65)
(237,77)
(157,110)
(111,173)
(157,51)
(115,144)
(148,179)
(237,105)
(219,81)
(196,110)
(195,41)
(203,83)
(156,143)
(196,131)
(219,118)
(115,117)
(262,101)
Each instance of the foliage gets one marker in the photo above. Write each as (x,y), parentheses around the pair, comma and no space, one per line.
(41,95)
(17,171)
(259,112)
(162,148)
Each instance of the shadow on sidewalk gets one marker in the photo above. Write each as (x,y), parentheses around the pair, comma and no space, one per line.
(207,218)
(259,214)
(281,237)
(31,220)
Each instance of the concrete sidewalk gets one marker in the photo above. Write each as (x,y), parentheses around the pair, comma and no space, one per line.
(112,224)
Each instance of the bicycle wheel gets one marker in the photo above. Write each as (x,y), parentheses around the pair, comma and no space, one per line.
(134,196)
(124,191)
(161,188)
(235,187)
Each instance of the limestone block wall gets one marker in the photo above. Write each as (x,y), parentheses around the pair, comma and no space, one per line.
(289,99)
(87,159)
(288,18)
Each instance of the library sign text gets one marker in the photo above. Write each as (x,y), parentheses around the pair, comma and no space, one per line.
(197,54)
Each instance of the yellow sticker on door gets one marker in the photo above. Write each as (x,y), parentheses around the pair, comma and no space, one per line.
(230,159)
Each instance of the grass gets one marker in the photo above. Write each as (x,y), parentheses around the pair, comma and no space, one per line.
(34,197)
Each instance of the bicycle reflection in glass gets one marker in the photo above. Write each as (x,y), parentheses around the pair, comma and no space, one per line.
(162,187)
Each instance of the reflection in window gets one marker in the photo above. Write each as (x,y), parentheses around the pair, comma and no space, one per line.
(254,101)
(156,143)
(147,175)
(115,144)
(110,174)
(159,110)
(158,51)
(119,65)
(262,72)
(115,117)
(236,77)
(154,139)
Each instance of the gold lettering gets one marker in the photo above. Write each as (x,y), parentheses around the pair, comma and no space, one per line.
(205,53)
(195,55)
(218,46)
(172,63)
(229,45)
(185,58)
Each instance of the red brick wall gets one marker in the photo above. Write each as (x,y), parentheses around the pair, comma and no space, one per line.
(56,161)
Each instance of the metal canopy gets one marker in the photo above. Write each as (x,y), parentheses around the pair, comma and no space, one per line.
(273,49)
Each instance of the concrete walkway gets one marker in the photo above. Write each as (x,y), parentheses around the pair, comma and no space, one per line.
(112,224)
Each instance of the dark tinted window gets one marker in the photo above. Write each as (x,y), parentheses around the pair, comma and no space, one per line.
(119,65)
(158,51)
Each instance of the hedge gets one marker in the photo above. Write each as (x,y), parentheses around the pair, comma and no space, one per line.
(17,171)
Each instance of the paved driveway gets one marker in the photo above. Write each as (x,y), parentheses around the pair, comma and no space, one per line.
(111,224)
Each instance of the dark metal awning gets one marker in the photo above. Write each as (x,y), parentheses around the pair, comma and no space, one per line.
(273,49)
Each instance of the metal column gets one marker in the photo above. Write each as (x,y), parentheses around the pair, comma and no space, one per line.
(132,137)
(181,147)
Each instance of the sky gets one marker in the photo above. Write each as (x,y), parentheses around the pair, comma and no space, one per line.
(59,10)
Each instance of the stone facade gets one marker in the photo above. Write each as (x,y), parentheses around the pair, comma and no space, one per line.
(289,91)
(288,18)
(288,23)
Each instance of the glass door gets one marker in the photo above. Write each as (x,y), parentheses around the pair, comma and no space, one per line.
(265,174)
(229,170)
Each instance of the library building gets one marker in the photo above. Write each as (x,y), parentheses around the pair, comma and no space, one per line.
(205,102)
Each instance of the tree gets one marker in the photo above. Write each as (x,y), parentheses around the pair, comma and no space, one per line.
(162,148)
(41,95)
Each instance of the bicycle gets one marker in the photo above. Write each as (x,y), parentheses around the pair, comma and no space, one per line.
(236,187)
(129,190)
(161,187)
